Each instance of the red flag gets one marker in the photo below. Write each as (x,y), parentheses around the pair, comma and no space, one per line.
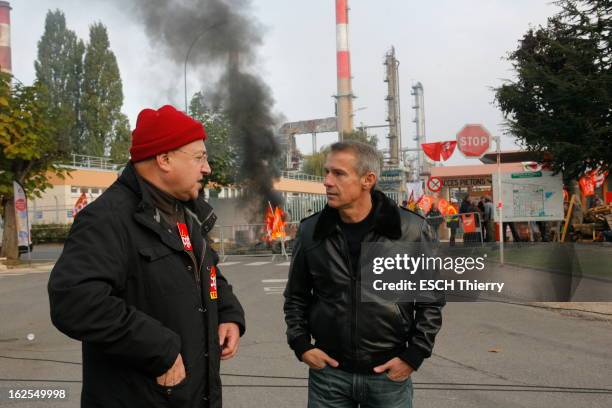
(587,185)
(443,206)
(432,150)
(447,149)
(439,150)
(80,204)
(469,223)
(425,203)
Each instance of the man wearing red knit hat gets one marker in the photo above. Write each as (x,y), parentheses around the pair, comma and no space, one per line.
(139,284)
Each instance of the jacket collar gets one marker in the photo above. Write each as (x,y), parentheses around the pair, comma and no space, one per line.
(198,209)
(387,220)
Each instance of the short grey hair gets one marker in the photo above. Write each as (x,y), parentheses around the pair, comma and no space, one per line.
(366,155)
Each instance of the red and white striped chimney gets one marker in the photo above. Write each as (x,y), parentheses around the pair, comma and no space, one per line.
(5,37)
(343,58)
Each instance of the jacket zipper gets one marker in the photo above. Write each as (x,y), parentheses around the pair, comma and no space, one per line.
(353,296)
(197,270)
(196,276)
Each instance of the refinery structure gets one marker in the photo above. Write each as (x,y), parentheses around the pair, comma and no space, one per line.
(301,194)
(402,161)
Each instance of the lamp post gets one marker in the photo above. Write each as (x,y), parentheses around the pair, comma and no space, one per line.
(193,43)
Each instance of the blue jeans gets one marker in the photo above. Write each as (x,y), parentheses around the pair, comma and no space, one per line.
(333,388)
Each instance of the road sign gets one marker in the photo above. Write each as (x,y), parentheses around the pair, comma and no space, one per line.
(434,184)
(473,140)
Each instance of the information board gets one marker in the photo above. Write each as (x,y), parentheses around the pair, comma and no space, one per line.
(530,196)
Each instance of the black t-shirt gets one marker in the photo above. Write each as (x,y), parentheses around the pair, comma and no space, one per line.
(355,233)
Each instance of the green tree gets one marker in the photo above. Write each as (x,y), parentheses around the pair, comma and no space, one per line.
(121,140)
(361,135)
(314,163)
(59,68)
(102,93)
(560,104)
(28,149)
(222,154)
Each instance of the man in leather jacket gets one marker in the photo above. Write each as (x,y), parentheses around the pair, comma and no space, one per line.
(364,353)
(138,284)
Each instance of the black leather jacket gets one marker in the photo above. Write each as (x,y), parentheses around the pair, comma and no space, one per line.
(322,295)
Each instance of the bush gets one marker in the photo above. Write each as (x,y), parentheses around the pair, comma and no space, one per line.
(49,233)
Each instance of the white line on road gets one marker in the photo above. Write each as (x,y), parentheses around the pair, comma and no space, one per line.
(228,263)
(257,263)
(277,289)
(273,280)
(284,264)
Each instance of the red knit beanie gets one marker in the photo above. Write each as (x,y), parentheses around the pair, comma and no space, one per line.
(163,130)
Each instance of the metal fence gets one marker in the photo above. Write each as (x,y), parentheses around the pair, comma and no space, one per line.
(467,228)
(92,162)
(251,239)
(301,176)
(299,207)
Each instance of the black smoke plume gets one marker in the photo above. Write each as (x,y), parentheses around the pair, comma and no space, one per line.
(224,35)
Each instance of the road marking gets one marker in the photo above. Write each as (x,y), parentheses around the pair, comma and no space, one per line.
(228,263)
(277,289)
(2,275)
(284,264)
(257,263)
(274,280)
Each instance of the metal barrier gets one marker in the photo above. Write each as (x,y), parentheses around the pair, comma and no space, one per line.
(92,162)
(468,228)
(251,240)
(301,176)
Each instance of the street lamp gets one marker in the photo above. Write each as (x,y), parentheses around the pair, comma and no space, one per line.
(195,40)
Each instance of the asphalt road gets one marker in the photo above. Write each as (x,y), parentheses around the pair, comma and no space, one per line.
(487,355)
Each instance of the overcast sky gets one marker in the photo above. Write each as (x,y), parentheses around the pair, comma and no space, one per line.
(455,48)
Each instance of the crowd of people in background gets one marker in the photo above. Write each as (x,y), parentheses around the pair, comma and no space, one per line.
(483,212)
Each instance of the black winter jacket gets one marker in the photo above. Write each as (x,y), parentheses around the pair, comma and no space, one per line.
(322,295)
(127,289)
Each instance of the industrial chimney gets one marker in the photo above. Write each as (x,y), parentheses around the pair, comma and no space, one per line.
(5,37)
(344,98)
(419,120)
(393,107)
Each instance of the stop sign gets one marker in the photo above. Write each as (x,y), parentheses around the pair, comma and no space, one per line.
(473,140)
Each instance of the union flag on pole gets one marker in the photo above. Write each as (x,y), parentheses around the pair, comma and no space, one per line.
(80,204)
(439,151)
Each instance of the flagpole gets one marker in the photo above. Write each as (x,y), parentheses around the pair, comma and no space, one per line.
(500,205)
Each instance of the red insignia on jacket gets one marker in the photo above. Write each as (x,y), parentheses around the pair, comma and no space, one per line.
(184,233)
(213,282)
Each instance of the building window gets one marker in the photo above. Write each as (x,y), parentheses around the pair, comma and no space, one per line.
(84,190)
(69,214)
(39,215)
(95,191)
(74,190)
